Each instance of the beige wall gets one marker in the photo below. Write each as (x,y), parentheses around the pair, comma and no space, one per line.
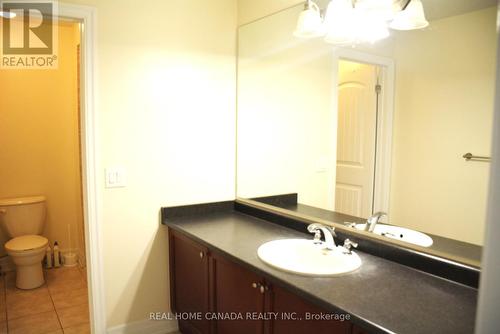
(444,108)
(39,145)
(284,91)
(250,10)
(166,106)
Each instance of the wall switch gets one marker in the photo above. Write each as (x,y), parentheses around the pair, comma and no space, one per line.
(115,177)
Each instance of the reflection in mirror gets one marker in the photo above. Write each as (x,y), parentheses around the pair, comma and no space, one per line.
(347,131)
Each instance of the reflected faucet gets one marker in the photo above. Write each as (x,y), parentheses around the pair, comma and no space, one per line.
(373,221)
(328,232)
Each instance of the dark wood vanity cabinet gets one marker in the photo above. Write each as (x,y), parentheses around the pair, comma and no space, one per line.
(216,286)
(189,282)
(236,291)
(285,302)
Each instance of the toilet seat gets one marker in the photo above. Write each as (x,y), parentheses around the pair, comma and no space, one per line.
(26,243)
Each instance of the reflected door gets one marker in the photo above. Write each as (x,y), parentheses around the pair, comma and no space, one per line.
(356,138)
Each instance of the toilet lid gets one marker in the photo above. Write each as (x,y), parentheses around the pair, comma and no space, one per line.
(21,200)
(26,242)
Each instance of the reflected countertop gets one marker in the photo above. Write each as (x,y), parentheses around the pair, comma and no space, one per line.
(441,244)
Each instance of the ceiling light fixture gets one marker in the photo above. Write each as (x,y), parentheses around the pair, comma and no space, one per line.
(413,17)
(351,22)
(310,23)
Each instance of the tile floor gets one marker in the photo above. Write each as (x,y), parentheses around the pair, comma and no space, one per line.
(60,306)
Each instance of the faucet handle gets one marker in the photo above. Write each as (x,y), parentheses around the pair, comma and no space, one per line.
(316,228)
(317,237)
(348,244)
(328,233)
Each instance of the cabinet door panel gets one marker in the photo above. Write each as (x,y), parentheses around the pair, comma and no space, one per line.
(189,280)
(234,293)
(285,302)
(358,330)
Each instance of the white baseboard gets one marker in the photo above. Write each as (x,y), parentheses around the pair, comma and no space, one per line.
(145,327)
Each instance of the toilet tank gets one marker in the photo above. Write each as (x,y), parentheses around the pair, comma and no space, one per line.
(22,216)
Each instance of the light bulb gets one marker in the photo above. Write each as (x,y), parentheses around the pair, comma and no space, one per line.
(340,22)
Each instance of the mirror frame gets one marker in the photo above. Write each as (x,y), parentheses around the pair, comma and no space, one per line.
(307,219)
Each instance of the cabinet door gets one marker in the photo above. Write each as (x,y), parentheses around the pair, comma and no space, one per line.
(288,304)
(358,330)
(189,281)
(237,292)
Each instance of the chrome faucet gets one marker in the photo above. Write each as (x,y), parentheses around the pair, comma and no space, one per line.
(373,221)
(348,245)
(328,232)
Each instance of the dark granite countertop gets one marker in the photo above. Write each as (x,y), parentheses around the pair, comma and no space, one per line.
(381,296)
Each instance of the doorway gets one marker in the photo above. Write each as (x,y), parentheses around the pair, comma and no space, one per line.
(41,146)
(364,89)
(91,197)
(358,95)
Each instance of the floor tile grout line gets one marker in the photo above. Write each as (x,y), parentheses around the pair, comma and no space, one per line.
(31,313)
(50,293)
(5,301)
(55,310)
(62,308)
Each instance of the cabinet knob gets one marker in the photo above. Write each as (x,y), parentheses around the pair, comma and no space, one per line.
(262,288)
(201,255)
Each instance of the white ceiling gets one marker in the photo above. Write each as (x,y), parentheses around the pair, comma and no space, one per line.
(437,9)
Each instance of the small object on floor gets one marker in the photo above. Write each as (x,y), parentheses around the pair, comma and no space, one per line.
(57,255)
(69,259)
(48,258)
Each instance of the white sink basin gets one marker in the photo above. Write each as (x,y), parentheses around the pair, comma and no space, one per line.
(401,233)
(302,256)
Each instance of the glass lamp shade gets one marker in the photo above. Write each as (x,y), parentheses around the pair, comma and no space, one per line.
(347,25)
(340,22)
(309,24)
(383,9)
(413,17)
(372,28)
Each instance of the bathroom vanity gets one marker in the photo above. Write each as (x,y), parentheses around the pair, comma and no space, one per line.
(215,270)
(242,300)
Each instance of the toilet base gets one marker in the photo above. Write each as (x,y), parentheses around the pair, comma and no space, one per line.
(30,276)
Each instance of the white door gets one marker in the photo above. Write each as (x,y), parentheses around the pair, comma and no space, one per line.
(356,138)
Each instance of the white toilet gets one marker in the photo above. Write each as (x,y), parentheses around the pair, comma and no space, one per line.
(23,220)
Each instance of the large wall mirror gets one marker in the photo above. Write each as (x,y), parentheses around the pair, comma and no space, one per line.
(345,131)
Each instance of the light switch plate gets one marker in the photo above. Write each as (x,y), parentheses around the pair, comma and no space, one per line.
(115,177)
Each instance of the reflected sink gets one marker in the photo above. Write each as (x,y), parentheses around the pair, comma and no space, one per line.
(401,233)
(304,257)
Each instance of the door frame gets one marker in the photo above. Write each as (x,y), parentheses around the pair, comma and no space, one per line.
(383,159)
(91,183)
